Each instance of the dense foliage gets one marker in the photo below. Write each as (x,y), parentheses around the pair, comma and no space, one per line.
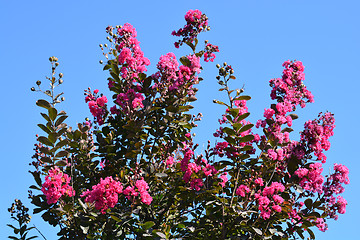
(134,172)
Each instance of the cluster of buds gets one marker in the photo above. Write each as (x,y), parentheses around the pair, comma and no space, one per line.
(19,212)
(54,82)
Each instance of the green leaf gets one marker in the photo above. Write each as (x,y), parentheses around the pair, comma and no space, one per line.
(62,153)
(52,113)
(243,116)
(219,102)
(247,138)
(34,187)
(60,120)
(37,178)
(308,203)
(15,238)
(287,129)
(62,143)
(229,131)
(243,97)
(237,126)
(37,210)
(230,140)
(45,116)
(185,61)
(45,140)
(44,128)
(246,127)
(106,67)
(293,116)
(147,225)
(234,112)
(53,137)
(43,103)
(116,218)
(61,163)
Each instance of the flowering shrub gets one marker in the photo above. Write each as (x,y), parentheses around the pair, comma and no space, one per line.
(135,171)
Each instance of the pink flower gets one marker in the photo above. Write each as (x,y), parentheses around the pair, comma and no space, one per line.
(259,181)
(104,194)
(56,185)
(242,190)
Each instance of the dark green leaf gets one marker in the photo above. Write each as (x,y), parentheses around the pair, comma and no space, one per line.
(247,138)
(243,116)
(308,203)
(185,61)
(229,131)
(44,128)
(62,153)
(60,120)
(34,187)
(45,116)
(244,97)
(246,127)
(237,126)
(37,178)
(62,143)
(53,137)
(45,140)
(287,129)
(293,116)
(61,163)
(147,225)
(52,113)
(234,112)
(43,103)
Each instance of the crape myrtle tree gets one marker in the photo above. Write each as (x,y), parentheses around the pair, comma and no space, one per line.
(133,172)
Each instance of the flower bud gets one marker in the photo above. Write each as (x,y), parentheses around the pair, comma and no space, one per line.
(218,77)
(38,82)
(232,71)
(61,81)
(100,45)
(101,61)
(56,64)
(32,89)
(62,98)
(61,75)
(218,65)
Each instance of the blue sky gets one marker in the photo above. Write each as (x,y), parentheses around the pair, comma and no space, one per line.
(255,37)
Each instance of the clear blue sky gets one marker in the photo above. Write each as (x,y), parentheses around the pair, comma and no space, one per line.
(255,37)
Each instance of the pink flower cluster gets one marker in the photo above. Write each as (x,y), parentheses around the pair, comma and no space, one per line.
(171,77)
(316,134)
(269,200)
(209,54)
(104,194)
(142,187)
(196,22)
(131,57)
(131,100)
(198,167)
(97,105)
(56,185)
(289,91)
(311,179)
